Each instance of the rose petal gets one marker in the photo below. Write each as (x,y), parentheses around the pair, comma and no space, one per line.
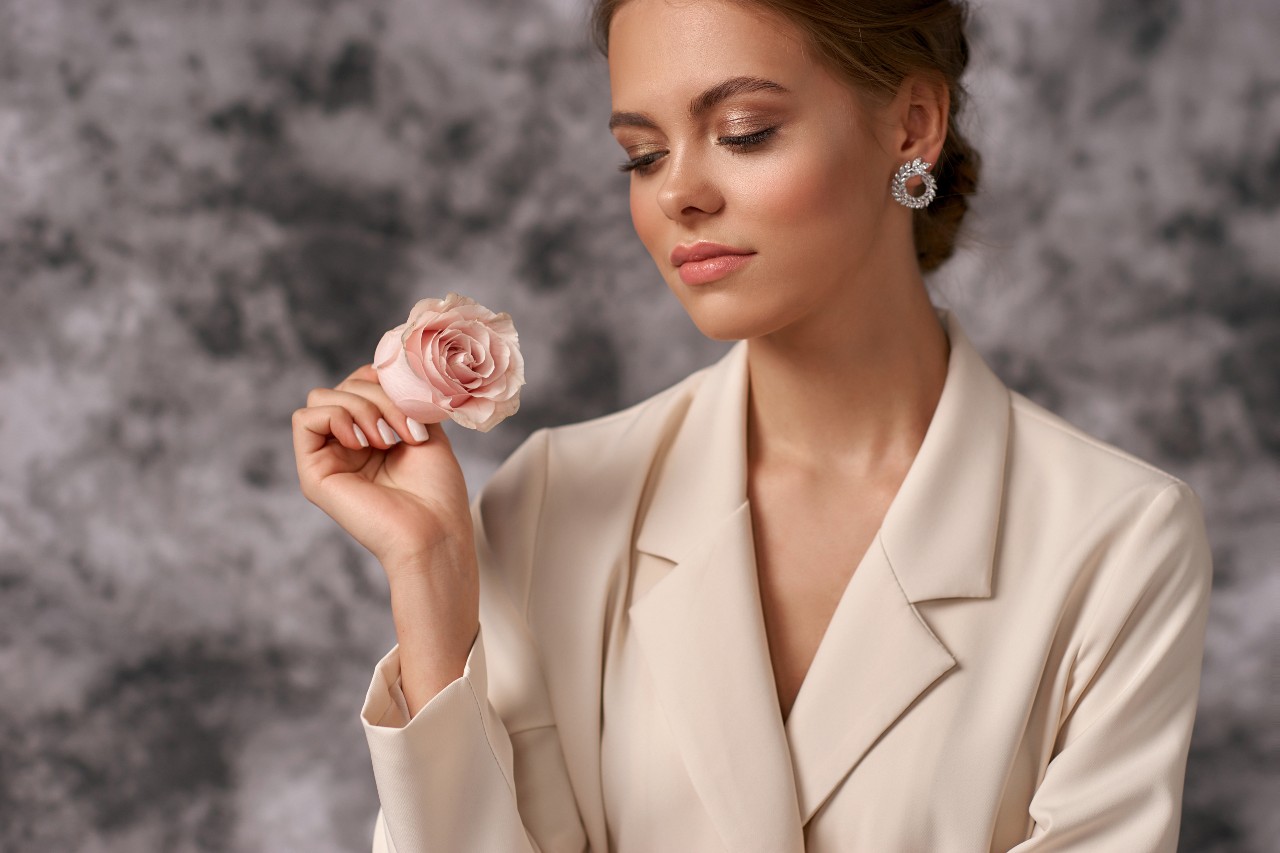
(516,369)
(415,343)
(425,309)
(409,393)
(500,352)
(502,326)
(436,368)
(501,412)
(462,355)
(388,348)
(483,363)
(474,412)
(424,411)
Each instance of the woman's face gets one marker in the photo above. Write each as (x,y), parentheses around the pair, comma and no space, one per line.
(738,138)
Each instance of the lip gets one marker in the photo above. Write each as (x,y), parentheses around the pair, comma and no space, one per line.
(702,251)
(705,262)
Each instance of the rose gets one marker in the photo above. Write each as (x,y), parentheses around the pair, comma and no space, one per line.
(453,358)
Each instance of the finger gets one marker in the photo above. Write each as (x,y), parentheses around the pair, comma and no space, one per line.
(371,408)
(315,425)
(408,429)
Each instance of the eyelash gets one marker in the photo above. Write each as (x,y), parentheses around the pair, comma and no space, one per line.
(737,144)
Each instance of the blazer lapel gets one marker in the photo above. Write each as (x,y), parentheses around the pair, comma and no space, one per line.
(937,540)
(701,626)
(875,660)
(702,632)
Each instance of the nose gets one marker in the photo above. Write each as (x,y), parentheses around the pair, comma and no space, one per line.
(687,189)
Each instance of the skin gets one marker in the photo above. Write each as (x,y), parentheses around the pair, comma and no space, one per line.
(846,357)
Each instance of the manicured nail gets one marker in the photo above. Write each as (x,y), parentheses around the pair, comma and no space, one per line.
(417,430)
(364,442)
(388,434)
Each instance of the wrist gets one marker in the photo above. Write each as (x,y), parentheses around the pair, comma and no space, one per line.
(442,561)
(435,629)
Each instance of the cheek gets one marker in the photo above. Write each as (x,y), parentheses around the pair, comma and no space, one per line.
(646,216)
(807,197)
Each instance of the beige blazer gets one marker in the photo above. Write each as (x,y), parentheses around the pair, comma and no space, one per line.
(1013,666)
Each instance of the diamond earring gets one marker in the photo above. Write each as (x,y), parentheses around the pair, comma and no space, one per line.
(906,171)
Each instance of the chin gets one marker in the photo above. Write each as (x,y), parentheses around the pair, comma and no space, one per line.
(728,316)
(722,332)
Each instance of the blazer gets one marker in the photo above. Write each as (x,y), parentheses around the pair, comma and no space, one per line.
(1014,664)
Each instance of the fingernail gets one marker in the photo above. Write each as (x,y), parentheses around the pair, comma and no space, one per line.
(388,434)
(364,442)
(417,430)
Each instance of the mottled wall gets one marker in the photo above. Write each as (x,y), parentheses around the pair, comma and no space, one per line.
(208,207)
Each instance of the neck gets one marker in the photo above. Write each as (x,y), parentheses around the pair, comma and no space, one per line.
(851,390)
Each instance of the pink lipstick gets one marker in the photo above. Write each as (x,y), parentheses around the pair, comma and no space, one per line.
(705,262)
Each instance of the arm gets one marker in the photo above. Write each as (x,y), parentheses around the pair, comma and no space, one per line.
(1116,777)
(479,766)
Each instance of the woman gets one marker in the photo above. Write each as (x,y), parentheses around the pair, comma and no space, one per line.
(842,590)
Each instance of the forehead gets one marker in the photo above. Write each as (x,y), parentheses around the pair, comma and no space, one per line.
(659,48)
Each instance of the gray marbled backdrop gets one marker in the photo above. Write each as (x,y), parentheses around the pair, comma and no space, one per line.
(209,207)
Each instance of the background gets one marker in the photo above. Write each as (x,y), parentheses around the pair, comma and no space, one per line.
(208,208)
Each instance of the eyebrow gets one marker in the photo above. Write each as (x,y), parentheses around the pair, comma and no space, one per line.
(704,102)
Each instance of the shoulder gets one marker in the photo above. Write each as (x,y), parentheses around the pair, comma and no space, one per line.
(614,443)
(1056,486)
(610,448)
(1124,547)
(572,486)
(1118,512)
(1071,444)
(1058,458)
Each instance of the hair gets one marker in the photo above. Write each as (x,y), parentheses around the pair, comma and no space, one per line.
(875,44)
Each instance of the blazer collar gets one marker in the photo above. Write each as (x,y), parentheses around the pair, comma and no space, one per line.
(701,627)
(960,463)
(704,476)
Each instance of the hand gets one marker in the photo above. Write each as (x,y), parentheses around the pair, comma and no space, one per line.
(406,500)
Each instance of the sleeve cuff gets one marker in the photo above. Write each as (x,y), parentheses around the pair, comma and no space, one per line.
(385,705)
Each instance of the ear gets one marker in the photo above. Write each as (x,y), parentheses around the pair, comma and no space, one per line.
(921,109)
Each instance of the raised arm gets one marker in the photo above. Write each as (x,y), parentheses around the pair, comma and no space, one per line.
(453,774)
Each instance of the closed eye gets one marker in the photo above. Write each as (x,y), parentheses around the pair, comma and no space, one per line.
(643,164)
(640,164)
(748,140)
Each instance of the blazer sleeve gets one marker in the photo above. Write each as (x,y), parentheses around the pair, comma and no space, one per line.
(1116,776)
(479,768)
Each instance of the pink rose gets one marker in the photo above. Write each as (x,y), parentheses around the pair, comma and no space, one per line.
(454,358)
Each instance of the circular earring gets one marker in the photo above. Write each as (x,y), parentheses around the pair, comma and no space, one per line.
(906,171)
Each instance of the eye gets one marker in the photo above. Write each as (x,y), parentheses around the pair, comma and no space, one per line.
(643,164)
(748,141)
(640,165)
